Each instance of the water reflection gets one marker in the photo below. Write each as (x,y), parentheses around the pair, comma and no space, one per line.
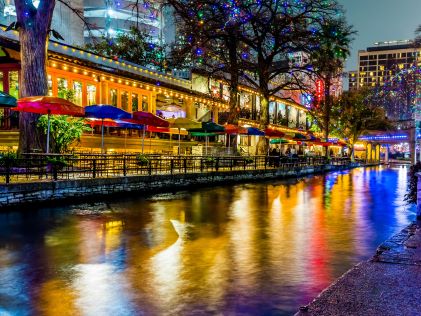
(247,249)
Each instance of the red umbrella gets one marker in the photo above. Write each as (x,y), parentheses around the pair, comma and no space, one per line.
(148,119)
(49,105)
(97,122)
(273,133)
(234,129)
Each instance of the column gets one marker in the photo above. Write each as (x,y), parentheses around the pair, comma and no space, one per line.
(412,140)
(386,155)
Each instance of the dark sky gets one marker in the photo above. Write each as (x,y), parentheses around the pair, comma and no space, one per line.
(380,20)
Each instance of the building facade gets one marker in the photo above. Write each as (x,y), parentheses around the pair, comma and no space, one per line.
(379,63)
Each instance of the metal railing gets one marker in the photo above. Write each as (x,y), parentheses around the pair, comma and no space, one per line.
(42,167)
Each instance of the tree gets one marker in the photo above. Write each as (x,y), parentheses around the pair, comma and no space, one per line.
(33,24)
(136,46)
(210,41)
(334,38)
(353,114)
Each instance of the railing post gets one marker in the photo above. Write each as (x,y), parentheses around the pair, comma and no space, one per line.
(217,164)
(171,165)
(201,164)
(7,174)
(266,161)
(185,165)
(124,166)
(94,168)
(255,163)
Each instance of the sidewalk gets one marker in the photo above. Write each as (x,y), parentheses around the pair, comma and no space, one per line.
(388,284)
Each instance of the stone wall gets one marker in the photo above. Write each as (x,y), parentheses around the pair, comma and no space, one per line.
(17,194)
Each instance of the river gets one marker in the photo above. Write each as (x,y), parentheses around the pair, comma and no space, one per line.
(248,249)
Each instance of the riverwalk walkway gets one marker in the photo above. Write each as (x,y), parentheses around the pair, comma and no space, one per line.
(387,284)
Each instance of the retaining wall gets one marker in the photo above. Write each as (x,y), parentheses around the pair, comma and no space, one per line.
(16,194)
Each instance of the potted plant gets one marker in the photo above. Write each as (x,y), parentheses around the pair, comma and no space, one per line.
(142,160)
(248,160)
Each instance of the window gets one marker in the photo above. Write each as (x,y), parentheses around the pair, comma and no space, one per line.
(14,83)
(113,97)
(91,89)
(125,100)
(135,102)
(77,88)
(50,85)
(62,86)
(145,103)
(1,81)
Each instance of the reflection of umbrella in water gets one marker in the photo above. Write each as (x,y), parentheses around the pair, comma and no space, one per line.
(50,106)
(148,119)
(103,112)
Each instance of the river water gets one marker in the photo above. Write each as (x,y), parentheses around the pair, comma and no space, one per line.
(248,249)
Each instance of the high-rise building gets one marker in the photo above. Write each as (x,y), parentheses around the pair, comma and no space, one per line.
(107,18)
(379,63)
(352,80)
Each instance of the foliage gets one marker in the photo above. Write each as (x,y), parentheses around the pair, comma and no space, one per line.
(411,196)
(58,162)
(353,114)
(136,46)
(327,63)
(63,92)
(248,160)
(142,160)
(64,130)
(209,160)
(8,159)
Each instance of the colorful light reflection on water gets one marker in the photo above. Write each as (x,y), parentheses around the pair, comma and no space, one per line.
(252,249)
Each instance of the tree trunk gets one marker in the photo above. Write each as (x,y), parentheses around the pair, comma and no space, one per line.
(33,35)
(263,143)
(327,112)
(232,43)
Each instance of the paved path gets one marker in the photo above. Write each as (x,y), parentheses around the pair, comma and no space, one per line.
(388,284)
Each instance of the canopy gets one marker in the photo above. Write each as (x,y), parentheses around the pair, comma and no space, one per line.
(7,101)
(279,141)
(255,131)
(98,122)
(147,118)
(208,127)
(166,130)
(212,127)
(103,111)
(299,136)
(49,105)
(202,134)
(234,129)
(182,122)
(273,133)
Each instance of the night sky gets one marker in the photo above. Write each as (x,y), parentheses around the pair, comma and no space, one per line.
(380,20)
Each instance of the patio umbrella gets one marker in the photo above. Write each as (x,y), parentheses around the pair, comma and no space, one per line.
(279,141)
(103,112)
(7,101)
(299,136)
(148,119)
(273,133)
(207,129)
(231,129)
(50,106)
(183,123)
(252,131)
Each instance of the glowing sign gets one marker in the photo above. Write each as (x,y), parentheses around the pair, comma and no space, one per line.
(320,90)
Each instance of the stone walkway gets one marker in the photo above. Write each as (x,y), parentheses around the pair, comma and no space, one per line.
(388,284)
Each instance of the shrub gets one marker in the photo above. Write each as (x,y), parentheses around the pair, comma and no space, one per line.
(8,158)
(142,160)
(411,196)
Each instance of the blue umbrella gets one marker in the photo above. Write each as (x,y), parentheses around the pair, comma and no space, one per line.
(255,131)
(103,111)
